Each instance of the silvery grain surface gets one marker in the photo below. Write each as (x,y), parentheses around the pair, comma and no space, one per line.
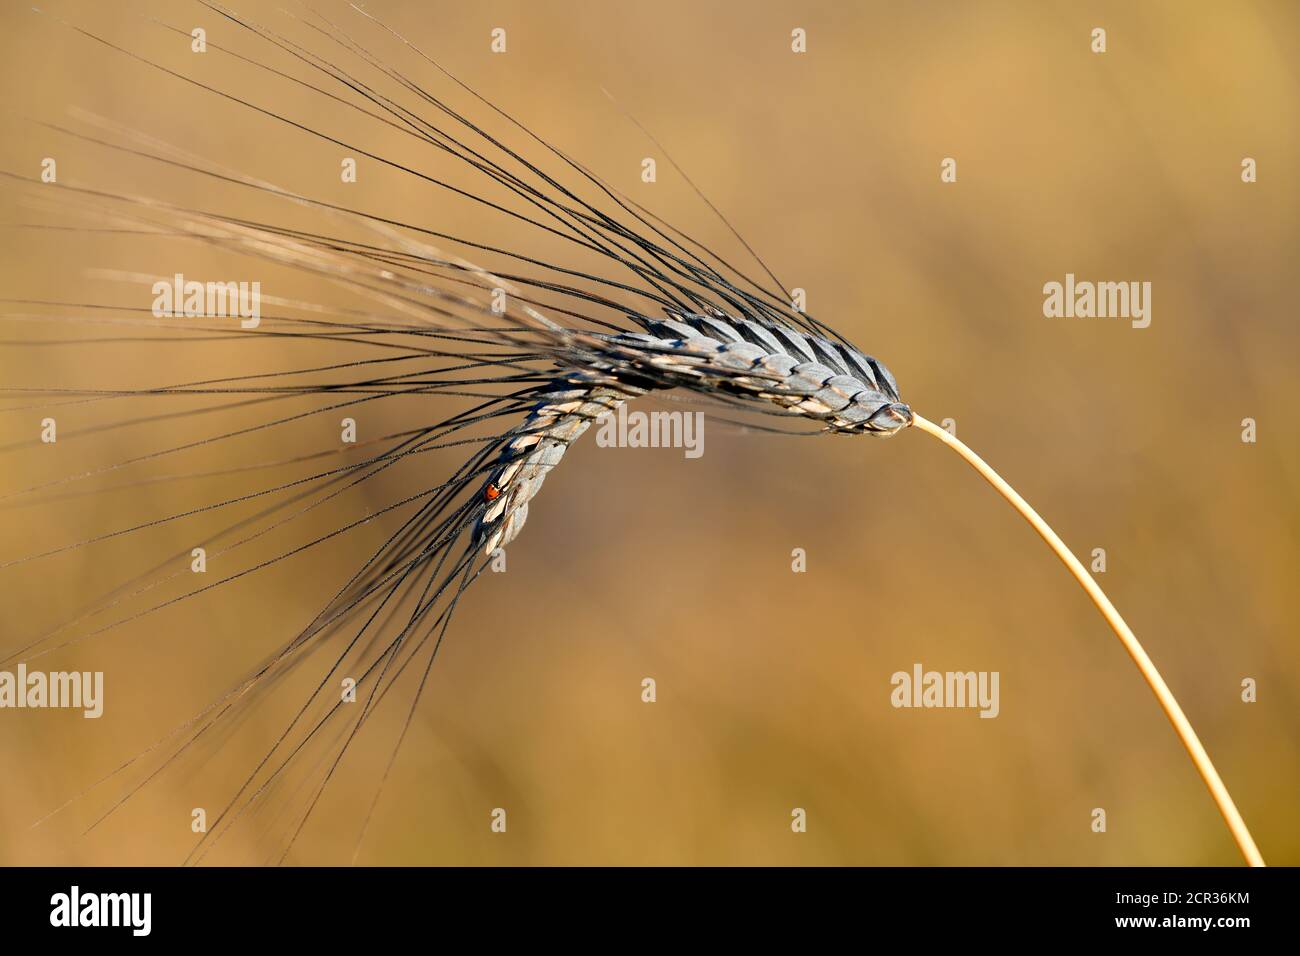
(805,375)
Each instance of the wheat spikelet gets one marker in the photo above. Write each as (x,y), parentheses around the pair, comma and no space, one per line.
(806,375)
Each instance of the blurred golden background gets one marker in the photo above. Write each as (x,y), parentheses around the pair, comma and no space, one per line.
(773,687)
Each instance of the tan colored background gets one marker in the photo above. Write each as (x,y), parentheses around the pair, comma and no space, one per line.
(773,687)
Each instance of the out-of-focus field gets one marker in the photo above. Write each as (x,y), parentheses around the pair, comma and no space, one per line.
(773,687)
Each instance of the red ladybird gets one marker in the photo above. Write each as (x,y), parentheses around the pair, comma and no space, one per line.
(492,492)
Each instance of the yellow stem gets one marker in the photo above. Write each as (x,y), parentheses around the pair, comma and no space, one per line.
(1152,676)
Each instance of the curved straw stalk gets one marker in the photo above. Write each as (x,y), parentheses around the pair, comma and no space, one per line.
(1164,695)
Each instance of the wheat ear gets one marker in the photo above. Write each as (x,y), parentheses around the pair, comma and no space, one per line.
(1126,636)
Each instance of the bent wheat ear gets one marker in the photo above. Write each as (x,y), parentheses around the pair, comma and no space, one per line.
(1164,695)
(805,375)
